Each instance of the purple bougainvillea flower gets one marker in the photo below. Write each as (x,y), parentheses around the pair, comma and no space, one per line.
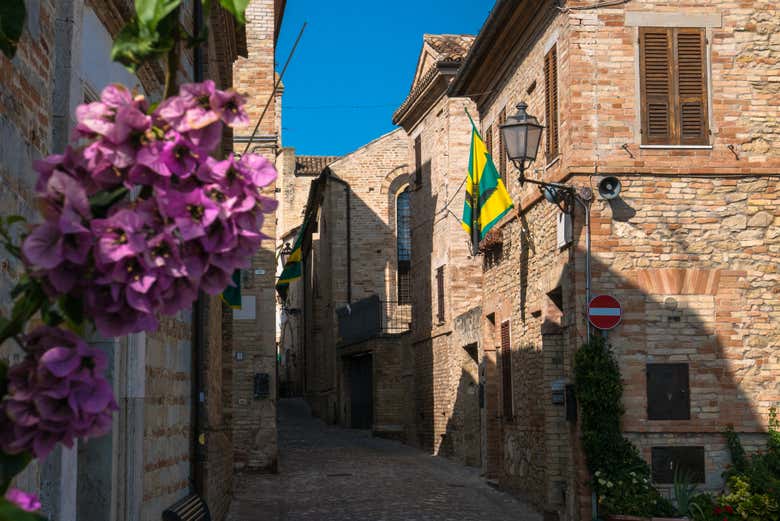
(180,156)
(119,236)
(192,211)
(24,500)
(258,169)
(229,105)
(116,95)
(43,248)
(56,394)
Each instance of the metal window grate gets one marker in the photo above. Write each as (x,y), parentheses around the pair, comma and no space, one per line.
(404,246)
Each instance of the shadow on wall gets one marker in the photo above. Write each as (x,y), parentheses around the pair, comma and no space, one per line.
(683,382)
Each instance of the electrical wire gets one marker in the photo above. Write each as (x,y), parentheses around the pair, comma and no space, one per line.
(274,90)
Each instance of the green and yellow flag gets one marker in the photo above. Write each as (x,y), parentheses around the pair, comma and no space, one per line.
(485,192)
(232,294)
(293,267)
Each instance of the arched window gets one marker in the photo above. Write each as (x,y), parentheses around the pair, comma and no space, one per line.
(404,246)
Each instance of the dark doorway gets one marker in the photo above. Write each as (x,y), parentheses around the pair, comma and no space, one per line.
(361,391)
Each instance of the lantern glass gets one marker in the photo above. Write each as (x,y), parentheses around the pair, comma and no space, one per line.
(521,135)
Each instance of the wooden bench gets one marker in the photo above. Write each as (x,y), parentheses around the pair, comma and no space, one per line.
(190,508)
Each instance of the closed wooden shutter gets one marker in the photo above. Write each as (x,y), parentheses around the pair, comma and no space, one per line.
(692,86)
(657,86)
(501,149)
(551,101)
(440,293)
(417,161)
(674,86)
(489,140)
(506,372)
(668,396)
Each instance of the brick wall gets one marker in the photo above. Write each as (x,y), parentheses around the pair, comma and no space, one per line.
(375,174)
(253,335)
(688,248)
(446,379)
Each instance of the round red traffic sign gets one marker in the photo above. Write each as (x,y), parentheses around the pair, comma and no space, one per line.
(604,312)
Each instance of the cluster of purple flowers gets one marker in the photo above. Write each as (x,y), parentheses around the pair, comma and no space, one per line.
(189,220)
(57,393)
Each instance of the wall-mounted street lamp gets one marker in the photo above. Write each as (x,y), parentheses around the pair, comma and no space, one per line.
(285,252)
(521,135)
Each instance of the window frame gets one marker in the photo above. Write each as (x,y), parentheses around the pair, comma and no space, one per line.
(676,138)
(403,267)
(507,395)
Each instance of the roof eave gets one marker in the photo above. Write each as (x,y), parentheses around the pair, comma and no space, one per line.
(444,69)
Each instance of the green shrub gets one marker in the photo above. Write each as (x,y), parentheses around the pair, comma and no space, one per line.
(747,504)
(621,478)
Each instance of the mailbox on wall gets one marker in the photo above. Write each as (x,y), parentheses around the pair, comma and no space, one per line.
(262,385)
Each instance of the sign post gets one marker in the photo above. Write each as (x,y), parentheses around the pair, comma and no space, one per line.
(604,312)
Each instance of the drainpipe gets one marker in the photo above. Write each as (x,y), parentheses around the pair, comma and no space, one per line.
(198,323)
(585,203)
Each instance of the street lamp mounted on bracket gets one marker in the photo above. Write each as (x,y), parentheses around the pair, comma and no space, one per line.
(521,135)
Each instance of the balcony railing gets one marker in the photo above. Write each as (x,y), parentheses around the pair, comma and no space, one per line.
(372,317)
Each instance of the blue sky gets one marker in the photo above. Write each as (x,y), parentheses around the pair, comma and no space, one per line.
(355,64)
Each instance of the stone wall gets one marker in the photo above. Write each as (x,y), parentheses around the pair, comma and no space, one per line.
(689,248)
(446,379)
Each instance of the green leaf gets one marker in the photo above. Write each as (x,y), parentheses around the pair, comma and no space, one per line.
(102,201)
(29,302)
(73,309)
(131,47)
(12,15)
(10,466)
(236,8)
(151,12)
(13,219)
(10,512)
(51,317)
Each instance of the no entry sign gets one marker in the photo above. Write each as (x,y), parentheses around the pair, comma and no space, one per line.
(604,312)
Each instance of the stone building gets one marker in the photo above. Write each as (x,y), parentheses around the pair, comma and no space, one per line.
(164,444)
(357,368)
(296,174)
(447,280)
(678,100)
(252,406)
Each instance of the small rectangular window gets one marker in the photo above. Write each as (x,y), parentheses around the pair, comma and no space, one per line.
(506,372)
(418,161)
(667,392)
(551,102)
(440,293)
(689,461)
(673,73)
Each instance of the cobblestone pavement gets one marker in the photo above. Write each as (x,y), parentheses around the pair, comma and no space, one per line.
(328,473)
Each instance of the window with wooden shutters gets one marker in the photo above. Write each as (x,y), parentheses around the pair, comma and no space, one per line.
(440,293)
(489,140)
(551,102)
(673,86)
(506,372)
(501,149)
(417,161)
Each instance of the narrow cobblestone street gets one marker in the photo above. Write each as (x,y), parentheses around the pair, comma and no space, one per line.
(328,473)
